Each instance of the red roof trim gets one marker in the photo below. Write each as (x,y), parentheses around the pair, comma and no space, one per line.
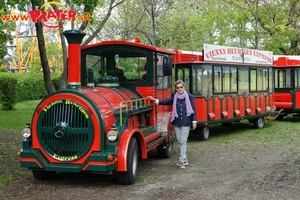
(128,43)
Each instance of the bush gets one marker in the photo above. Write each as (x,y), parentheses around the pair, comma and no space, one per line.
(3,70)
(30,86)
(8,85)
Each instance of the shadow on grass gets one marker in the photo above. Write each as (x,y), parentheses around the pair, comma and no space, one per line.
(236,128)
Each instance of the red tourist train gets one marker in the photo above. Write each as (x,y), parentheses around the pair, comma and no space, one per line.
(287,86)
(103,122)
(229,85)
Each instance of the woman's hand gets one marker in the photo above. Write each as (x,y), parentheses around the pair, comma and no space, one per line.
(194,125)
(151,98)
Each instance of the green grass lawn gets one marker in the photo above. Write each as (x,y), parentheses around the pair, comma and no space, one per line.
(16,119)
(285,132)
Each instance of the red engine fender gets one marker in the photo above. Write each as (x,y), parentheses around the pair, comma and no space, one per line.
(123,147)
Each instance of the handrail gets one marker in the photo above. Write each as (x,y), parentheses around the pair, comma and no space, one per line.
(132,105)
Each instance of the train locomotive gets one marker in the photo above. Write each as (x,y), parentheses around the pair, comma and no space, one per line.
(103,122)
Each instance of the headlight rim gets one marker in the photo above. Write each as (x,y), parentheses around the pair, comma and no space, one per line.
(26,133)
(112,135)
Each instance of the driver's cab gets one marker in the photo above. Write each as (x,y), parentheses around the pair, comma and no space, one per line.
(131,63)
(145,70)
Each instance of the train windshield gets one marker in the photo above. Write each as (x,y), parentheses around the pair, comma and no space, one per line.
(127,65)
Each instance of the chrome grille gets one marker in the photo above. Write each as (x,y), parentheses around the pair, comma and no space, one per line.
(75,127)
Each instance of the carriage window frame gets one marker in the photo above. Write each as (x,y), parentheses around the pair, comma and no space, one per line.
(202,79)
(283,78)
(223,73)
(162,82)
(297,77)
(183,73)
(259,79)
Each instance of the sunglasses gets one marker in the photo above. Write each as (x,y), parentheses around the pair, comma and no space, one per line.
(179,87)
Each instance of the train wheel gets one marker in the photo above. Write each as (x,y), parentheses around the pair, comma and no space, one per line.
(129,176)
(259,122)
(43,175)
(165,150)
(203,133)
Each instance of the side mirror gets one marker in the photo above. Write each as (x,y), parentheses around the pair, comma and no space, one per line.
(167,65)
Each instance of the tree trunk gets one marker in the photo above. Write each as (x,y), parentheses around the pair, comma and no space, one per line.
(43,57)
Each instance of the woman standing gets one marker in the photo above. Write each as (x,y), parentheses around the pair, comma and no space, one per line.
(183,117)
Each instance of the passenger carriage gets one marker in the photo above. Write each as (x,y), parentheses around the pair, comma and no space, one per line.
(287,86)
(229,84)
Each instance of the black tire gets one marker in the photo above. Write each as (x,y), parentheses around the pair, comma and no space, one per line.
(165,150)
(43,175)
(203,133)
(259,122)
(129,177)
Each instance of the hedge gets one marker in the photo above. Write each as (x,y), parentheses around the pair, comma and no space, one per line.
(8,97)
(17,87)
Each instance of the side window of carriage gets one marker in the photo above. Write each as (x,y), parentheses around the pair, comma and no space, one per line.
(279,78)
(202,79)
(225,79)
(283,78)
(259,79)
(197,76)
(243,80)
(296,78)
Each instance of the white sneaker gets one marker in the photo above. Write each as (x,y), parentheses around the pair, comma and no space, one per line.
(181,165)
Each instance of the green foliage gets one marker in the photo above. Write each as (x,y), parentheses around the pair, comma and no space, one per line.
(89,5)
(8,85)
(3,70)
(187,25)
(17,87)
(5,37)
(55,81)
(6,27)
(29,87)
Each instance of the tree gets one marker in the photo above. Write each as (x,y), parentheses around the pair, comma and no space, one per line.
(265,25)
(42,50)
(137,18)
(88,6)
(7,26)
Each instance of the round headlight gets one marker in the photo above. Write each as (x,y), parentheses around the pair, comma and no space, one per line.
(112,135)
(26,132)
